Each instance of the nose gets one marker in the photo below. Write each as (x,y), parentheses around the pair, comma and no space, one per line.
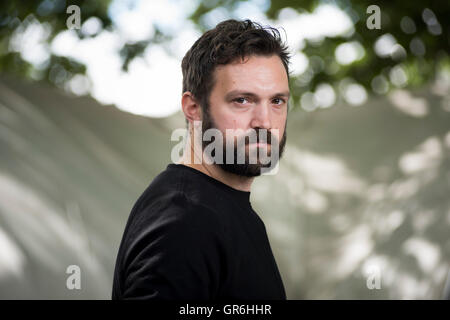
(261,117)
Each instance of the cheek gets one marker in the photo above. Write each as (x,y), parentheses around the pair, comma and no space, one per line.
(221,116)
(231,122)
(227,118)
(280,125)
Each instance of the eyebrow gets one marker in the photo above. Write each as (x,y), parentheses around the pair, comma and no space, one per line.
(234,93)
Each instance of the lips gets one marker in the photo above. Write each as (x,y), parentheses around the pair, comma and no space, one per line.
(260,145)
(261,141)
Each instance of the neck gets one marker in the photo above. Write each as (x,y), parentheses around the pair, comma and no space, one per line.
(235,181)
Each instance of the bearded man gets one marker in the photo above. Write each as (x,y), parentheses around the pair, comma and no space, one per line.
(193,233)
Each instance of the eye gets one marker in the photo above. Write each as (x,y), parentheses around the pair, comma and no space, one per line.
(278,101)
(241,100)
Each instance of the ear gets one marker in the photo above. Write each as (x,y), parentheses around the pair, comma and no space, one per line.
(191,108)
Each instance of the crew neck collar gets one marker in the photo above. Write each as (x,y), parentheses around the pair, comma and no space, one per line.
(242,195)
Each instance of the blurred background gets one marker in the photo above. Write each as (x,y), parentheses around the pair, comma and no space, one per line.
(360,208)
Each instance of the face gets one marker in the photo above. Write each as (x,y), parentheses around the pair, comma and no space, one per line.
(250,94)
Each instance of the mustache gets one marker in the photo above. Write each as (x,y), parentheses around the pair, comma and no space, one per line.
(260,137)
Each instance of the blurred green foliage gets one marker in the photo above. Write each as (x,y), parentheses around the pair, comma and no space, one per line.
(408,21)
(52,14)
(420,28)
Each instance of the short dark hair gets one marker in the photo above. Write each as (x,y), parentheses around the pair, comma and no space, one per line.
(228,41)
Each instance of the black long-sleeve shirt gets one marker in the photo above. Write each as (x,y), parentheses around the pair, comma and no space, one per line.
(190,236)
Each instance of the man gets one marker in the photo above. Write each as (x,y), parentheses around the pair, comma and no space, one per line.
(193,233)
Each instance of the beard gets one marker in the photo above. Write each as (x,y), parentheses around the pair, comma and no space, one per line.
(246,169)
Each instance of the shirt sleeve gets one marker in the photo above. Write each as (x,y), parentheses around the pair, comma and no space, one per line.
(177,253)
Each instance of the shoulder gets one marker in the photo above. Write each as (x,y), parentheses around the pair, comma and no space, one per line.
(171,210)
(172,221)
(172,232)
(178,195)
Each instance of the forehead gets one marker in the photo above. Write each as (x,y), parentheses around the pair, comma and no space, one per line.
(263,74)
